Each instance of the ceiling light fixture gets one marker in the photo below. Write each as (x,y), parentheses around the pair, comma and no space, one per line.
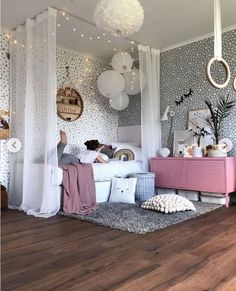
(119,18)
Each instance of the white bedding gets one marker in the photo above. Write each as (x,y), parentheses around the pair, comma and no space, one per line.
(104,172)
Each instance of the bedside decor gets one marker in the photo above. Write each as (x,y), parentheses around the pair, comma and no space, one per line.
(183,139)
(198,125)
(119,18)
(165,117)
(197,150)
(69,102)
(124,155)
(217,114)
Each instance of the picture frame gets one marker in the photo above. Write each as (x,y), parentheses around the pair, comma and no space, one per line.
(183,139)
(197,119)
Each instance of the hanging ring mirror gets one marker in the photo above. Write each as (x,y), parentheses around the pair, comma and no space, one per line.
(69,102)
(224,63)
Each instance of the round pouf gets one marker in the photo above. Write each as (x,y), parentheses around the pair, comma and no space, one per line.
(145,187)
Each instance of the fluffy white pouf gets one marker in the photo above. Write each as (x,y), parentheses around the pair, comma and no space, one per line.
(168,203)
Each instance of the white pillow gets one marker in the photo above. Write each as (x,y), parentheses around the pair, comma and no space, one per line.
(168,203)
(105,157)
(123,190)
(138,156)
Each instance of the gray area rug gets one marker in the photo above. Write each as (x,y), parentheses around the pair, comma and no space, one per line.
(132,218)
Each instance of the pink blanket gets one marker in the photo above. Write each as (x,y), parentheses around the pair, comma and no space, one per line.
(79,194)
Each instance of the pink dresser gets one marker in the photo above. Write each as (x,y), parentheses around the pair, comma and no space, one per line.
(199,174)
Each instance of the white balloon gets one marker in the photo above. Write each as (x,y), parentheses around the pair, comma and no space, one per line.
(120,102)
(110,83)
(122,62)
(132,82)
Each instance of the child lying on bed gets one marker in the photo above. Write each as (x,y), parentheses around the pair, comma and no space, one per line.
(90,155)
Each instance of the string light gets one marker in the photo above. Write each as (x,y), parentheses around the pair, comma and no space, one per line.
(15,41)
(64,14)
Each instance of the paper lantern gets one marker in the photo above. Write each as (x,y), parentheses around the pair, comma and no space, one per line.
(120,102)
(132,82)
(119,17)
(122,62)
(110,83)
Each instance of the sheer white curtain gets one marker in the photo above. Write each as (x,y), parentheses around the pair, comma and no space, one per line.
(149,66)
(33,180)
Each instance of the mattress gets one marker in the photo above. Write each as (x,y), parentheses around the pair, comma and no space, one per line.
(105,171)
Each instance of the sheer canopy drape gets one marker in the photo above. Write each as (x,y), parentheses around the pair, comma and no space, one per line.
(33,181)
(149,65)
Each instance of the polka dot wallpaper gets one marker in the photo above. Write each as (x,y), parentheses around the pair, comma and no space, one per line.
(184,68)
(98,120)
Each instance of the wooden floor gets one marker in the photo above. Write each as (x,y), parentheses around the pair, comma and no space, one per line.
(65,254)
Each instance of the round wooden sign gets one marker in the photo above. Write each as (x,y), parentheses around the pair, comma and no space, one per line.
(69,104)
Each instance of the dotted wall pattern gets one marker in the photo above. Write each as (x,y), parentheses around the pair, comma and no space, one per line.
(98,120)
(184,68)
(4,104)
(132,114)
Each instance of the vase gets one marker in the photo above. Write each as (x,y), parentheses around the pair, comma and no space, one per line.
(164,152)
(197,151)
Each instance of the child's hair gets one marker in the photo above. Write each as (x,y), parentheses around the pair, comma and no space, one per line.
(92,144)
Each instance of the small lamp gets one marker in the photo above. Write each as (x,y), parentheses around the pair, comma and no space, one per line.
(164,152)
(167,114)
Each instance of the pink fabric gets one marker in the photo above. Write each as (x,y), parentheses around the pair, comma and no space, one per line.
(79,194)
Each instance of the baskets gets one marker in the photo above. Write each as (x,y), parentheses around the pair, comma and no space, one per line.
(145,187)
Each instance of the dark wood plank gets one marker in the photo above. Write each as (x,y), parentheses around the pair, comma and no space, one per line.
(61,253)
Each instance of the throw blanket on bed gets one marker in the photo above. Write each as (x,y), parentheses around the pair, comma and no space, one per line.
(79,194)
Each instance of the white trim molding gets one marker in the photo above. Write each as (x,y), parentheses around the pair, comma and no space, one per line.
(198,38)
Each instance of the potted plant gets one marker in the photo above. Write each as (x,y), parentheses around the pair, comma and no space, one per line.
(217,114)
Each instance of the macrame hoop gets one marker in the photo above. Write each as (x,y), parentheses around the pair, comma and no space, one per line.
(226,66)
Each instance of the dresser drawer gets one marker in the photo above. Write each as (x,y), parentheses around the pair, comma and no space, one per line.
(169,172)
(205,175)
